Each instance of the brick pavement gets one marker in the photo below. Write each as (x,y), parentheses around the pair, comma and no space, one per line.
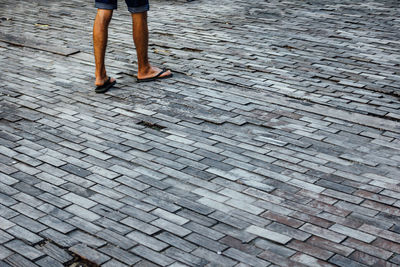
(275,144)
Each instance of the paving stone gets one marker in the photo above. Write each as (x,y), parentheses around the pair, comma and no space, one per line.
(275,248)
(153,256)
(89,254)
(4,253)
(20,247)
(120,254)
(324,233)
(59,238)
(236,243)
(54,252)
(353,233)
(147,241)
(83,213)
(24,234)
(213,258)
(83,225)
(342,261)
(308,260)
(245,258)
(205,242)
(87,239)
(113,263)
(267,234)
(48,261)
(18,260)
(5,224)
(116,239)
(176,241)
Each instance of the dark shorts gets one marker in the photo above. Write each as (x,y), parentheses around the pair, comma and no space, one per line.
(134,6)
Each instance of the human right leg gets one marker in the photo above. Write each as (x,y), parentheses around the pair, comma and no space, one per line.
(141,40)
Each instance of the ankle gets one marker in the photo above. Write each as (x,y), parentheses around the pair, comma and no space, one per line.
(144,69)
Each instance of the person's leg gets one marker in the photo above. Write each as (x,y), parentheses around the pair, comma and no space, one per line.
(100,36)
(138,11)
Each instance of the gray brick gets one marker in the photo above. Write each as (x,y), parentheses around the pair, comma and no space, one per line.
(147,241)
(28,211)
(90,254)
(18,260)
(83,213)
(58,238)
(116,239)
(184,257)
(208,232)
(4,253)
(5,237)
(205,242)
(141,226)
(54,252)
(54,211)
(48,262)
(171,227)
(176,241)
(83,224)
(28,223)
(153,256)
(120,254)
(87,239)
(245,258)
(54,200)
(28,251)
(342,261)
(5,224)
(114,226)
(213,257)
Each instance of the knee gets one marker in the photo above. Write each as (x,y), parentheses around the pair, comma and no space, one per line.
(104,15)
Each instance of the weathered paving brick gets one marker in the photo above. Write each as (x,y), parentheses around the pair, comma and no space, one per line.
(18,260)
(20,247)
(5,224)
(267,234)
(28,210)
(4,252)
(342,261)
(176,241)
(120,254)
(152,256)
(330,246)
(54,252)
(24,234)
(87,239)
(89,254)
(147,241)
(245,258)
(116,239)
(309,260)
(310,250)
(213,258)
(353,233)
(205,242)
(141,226)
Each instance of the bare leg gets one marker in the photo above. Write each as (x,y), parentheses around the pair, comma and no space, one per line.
(141,40)
(100,36)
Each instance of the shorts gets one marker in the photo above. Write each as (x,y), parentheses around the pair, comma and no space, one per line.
(134,6)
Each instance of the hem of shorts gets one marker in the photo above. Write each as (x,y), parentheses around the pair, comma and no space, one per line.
(139,9)
(105,6)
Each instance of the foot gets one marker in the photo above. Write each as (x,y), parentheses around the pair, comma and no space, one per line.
(102,80)
(110,82)
(152,72)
